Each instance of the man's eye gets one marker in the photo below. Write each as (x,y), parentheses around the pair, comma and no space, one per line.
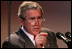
(32,18)
(39,17)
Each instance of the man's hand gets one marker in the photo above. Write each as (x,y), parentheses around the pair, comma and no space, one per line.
(41,39)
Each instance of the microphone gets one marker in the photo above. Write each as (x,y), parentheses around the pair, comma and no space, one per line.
(68,35)
(61,36)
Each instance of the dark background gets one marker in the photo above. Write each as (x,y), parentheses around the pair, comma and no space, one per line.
(56,13)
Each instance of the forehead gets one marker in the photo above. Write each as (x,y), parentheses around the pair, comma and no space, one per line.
(33,13)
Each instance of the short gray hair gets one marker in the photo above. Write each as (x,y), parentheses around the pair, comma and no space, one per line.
(26,5)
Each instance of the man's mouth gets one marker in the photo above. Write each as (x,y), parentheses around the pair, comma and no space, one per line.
(36,28)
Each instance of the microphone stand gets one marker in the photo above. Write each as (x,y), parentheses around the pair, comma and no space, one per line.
(9,8)
(68,43)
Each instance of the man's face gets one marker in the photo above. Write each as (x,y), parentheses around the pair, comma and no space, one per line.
(33,21)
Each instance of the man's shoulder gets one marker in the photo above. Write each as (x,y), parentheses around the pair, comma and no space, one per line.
(10,40)
(13,37)
(49,31)
(46,29)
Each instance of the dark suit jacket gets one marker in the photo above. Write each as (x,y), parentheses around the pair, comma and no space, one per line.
(20,40)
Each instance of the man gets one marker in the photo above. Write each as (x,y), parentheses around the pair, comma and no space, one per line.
(30,34)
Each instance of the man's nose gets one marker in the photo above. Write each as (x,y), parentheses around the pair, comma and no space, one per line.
(36,22)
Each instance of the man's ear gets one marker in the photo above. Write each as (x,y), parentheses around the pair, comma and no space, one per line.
(21,21)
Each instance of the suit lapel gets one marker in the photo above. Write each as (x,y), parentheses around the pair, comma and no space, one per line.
(23,36)
(47,44)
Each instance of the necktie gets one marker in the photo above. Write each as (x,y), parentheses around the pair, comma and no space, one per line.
(34,37)
(34,40)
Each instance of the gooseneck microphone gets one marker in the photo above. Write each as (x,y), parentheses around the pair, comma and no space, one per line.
(61,36)
(68,35)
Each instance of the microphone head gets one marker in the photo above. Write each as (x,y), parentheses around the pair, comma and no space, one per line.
(58,35)
(68,35)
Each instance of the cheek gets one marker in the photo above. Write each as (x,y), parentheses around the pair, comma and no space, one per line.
(27,26)
(40,25)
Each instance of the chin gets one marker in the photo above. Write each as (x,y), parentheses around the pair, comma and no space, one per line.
(36,32)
